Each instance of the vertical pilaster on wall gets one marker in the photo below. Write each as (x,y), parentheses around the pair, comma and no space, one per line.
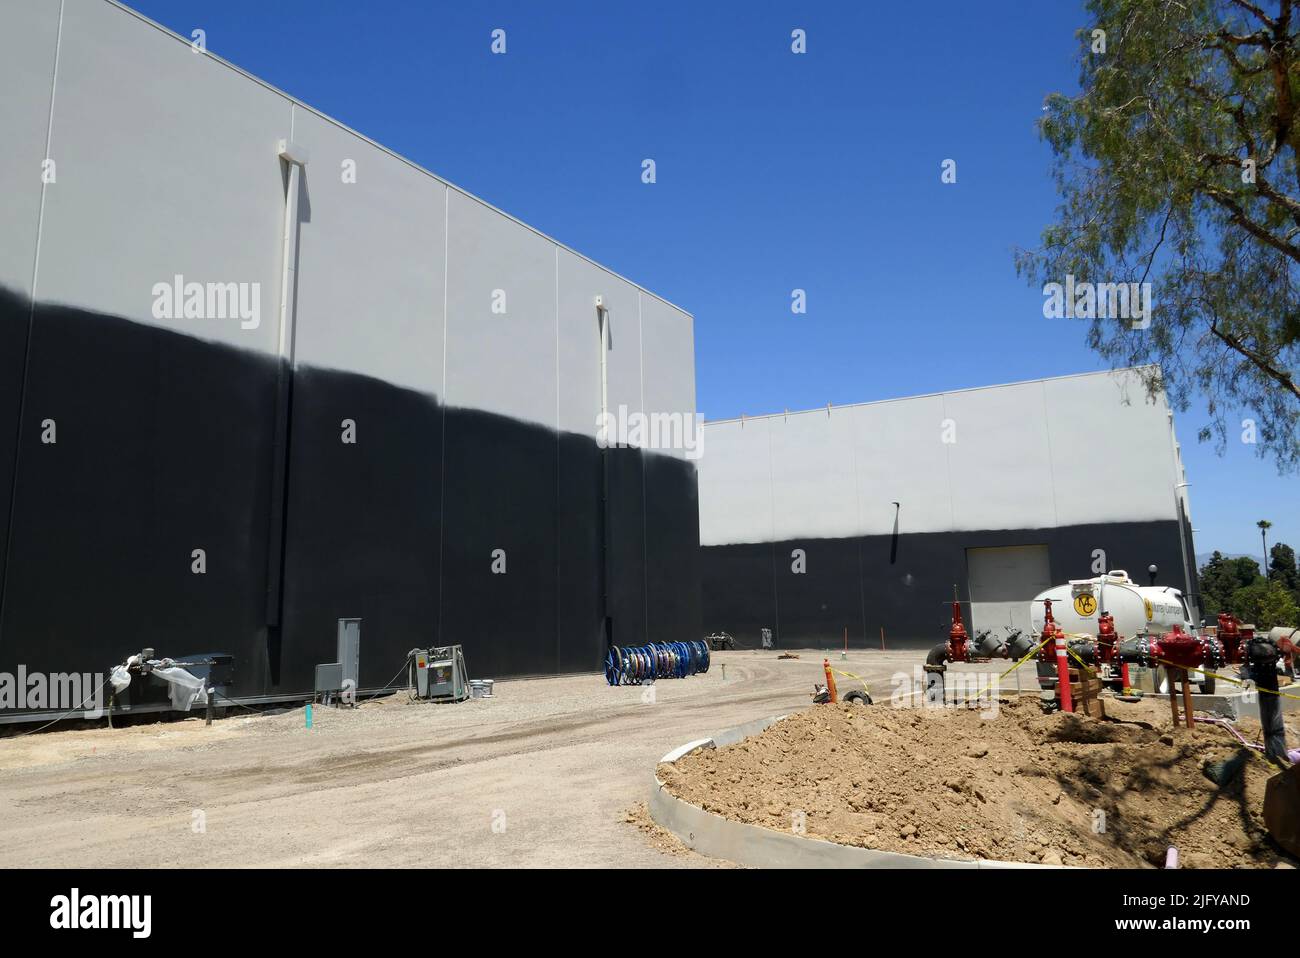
(645,543)
(445,401)
(1182,509)
(558,452)
(771,508)
(295,158)
(606,612)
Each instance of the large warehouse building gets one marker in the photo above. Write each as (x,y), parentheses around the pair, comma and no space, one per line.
(259,374)
(864,518)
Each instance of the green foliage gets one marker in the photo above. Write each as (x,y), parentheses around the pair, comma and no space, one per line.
(1282,567)
(1236,586)
(1266,604)
(1176,164)
(1221,578)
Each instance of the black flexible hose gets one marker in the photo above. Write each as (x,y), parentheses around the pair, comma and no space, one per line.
(1261,659)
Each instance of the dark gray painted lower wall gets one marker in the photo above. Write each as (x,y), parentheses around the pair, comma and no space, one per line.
(902,584)
(165,445)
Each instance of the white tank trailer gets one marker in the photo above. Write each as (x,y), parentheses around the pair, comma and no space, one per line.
(1136,609)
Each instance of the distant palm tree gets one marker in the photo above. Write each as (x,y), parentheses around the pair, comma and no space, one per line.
(1264,525)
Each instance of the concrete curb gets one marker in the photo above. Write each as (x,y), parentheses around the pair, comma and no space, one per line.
(1234,705)
(759,847)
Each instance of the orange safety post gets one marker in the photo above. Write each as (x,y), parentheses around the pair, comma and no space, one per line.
(830,681)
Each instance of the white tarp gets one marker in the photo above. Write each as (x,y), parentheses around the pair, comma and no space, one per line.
(120,677)
(185,688)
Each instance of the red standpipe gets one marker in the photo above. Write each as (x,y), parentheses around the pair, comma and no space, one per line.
(1107,640)
(1233,637)
(1108,647)
(1052,631)
(957,636)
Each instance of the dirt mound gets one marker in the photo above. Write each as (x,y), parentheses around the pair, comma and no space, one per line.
(1018,786)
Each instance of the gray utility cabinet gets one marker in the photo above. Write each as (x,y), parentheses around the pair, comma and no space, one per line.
(350,652)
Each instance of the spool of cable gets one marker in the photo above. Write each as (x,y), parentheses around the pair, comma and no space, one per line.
(658,660)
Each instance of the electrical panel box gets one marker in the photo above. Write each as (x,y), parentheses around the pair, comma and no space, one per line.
(440,674)
(422,673)
(329,677)
(349,656)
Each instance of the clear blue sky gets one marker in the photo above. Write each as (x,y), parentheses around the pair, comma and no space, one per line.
(775,171)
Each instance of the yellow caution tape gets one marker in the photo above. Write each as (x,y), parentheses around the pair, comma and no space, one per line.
(1082,664)
(852,676)
(1226,678)
(1030,654)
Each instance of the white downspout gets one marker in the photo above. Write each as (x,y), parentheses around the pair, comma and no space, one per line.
(296,156)
(602,317)
(1184,515)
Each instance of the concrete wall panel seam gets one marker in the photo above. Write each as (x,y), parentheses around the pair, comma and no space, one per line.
(1051,458)
(947,458)
(49,145)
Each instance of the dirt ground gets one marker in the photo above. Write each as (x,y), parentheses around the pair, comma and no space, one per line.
(546,773)
(550,772)
(1019,786)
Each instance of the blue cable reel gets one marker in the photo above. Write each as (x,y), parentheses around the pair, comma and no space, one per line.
(658,660)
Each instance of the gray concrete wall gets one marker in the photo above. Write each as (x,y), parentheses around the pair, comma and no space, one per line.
(1084,465)
(1026,455)
(475,429)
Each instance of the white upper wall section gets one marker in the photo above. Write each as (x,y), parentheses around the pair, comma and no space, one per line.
(1000,462)
(27,54)
(167,165)
(501,301)
(1055,452)
(371,255)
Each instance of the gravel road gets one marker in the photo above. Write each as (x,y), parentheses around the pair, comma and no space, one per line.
(544,774)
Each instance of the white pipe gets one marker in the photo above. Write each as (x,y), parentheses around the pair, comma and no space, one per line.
(1184,516)
(296,157)
(602,315)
